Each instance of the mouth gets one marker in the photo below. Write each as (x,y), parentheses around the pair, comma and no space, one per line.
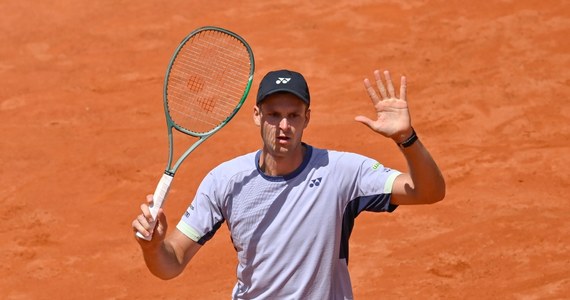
(283,139)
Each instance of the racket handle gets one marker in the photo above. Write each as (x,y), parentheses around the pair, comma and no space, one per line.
(158,199)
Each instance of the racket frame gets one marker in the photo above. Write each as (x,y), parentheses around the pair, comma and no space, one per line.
(163,186)
(202,136)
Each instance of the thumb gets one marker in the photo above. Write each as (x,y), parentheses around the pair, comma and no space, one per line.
(365,120)
(162,225)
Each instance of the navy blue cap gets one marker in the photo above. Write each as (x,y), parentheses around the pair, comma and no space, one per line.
(283,81)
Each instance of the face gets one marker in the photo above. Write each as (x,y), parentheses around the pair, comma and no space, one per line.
(282,118)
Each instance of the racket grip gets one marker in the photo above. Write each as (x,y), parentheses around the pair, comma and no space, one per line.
(158,199)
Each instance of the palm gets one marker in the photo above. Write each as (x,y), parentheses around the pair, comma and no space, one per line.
(392,115)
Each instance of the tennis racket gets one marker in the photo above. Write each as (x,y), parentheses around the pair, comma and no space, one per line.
(206,83)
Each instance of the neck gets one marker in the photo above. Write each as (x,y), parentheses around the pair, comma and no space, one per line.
(281,165)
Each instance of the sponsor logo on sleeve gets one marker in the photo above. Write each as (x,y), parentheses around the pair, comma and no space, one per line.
(187,213)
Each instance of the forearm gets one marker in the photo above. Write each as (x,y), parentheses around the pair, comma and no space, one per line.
(164,261)
(424,182)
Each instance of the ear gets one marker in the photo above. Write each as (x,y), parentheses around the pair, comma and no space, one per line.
(256,115)
(307,117)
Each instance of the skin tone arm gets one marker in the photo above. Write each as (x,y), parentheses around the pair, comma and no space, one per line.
(424,184)
(165,256)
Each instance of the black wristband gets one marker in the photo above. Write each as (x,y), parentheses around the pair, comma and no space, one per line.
(410,141)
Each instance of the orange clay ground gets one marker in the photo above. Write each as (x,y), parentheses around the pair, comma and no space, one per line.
(83,140)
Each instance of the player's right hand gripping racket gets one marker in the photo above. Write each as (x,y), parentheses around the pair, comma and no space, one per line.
(206,83)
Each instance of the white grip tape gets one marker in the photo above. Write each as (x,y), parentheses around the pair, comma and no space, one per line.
(158,199)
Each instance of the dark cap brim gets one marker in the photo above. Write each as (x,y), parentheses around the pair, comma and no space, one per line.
(282,91)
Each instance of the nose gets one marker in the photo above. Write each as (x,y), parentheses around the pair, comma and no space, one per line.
(284,124)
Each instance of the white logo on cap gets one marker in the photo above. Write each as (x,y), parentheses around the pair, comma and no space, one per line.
(282,80)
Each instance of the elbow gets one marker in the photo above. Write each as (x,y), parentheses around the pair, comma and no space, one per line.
(436,194)
(432,199)
(164,276)
(439,196)
(439,192)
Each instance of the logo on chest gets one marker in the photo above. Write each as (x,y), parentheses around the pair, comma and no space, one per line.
(315,182)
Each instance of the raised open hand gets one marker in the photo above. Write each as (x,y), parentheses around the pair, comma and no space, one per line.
(393,118)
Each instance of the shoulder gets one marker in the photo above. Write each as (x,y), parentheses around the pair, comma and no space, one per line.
(217,181)
(348,164)
(343,159)
(241,164)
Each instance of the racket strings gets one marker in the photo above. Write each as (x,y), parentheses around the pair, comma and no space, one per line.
(207,80)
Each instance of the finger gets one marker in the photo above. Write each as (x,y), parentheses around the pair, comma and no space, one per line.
(145,222)
(162,224)
(380,85)
(146,211)
(138,228)
(390,85)
(371,92)
(140,224)
(365,120)
(403,86)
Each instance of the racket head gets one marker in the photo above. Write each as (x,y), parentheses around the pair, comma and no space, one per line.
(207,80)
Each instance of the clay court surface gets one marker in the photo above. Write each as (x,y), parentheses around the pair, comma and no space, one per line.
(84,140)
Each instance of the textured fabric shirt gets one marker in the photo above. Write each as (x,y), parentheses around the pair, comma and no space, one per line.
(290,232)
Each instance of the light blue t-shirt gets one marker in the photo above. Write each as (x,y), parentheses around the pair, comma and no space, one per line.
(290,232)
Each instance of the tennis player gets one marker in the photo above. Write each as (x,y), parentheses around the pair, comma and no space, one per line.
(290,207)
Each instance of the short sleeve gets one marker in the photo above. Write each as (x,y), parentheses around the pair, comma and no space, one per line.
(375,178)
(366,179)
(204,215)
